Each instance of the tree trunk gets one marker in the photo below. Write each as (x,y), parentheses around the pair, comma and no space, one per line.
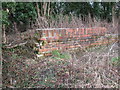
(4,35)
(119,24)
(42,19)
(48,9)
(38,12)
(15,26)
(113,15)
(45,8)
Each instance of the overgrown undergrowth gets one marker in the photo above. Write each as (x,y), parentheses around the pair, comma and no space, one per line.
(95,68)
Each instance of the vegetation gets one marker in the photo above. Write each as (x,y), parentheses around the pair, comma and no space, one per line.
(94,66)
(116,60)
(58,55)
(24,14)
(57,71)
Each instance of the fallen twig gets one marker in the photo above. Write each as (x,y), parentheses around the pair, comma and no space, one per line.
(20,44)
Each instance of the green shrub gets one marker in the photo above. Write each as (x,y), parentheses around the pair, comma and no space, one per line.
(115,60)
(58,55)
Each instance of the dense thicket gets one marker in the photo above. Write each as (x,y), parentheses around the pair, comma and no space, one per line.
(22,15)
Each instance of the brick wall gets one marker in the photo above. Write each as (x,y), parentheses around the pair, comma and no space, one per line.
(64,38)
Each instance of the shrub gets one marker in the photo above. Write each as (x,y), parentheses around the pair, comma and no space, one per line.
(58,55)
(115,60)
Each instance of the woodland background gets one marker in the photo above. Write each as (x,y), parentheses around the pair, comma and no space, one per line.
(94,67)
(21,16)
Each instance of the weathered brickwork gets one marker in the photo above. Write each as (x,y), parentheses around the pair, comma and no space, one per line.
(66,38)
